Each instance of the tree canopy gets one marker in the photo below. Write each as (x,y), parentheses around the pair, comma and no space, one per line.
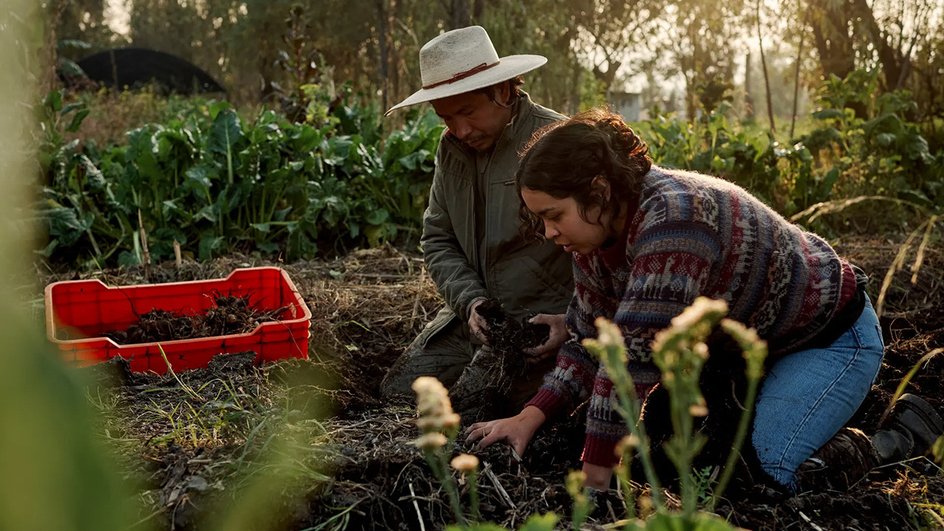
(695,47)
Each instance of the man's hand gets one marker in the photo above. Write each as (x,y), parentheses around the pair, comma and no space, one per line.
(477,324)
(517,431)
(558,334)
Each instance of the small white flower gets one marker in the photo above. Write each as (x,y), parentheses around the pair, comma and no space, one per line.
(465,463)
(431,441)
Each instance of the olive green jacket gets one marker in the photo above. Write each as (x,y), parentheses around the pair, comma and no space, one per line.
(526,276)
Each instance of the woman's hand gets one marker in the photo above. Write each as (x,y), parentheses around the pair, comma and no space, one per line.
(556,337)
(598,477)
(517,431)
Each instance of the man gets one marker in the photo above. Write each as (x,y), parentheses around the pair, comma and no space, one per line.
(471,241)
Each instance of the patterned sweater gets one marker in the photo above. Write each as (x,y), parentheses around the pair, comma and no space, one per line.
(690,235)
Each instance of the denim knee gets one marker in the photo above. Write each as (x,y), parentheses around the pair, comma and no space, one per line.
(808,396)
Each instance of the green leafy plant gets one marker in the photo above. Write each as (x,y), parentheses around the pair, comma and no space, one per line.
(859,144)
(215,184)
(750,158)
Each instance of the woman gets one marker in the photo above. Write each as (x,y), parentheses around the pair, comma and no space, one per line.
(646,241)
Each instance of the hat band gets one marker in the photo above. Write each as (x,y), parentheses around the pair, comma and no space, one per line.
(462,75)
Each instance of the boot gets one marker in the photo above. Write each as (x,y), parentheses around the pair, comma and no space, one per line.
(840,463)
(909,430)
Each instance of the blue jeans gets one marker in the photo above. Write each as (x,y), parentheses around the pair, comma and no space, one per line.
(809,395)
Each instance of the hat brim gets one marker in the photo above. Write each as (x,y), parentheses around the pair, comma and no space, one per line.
(507,68)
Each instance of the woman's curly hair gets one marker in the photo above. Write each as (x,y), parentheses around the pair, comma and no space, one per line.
(562,159)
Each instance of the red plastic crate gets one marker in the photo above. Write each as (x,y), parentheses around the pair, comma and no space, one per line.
(87,309)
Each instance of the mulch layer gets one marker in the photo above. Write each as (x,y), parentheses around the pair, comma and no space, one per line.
(190,444)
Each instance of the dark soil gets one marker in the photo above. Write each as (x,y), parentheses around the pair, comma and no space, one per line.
(229,315)
(349,459)
(484,389)
(509,335)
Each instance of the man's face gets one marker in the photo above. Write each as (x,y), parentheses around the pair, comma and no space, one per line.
(475,119)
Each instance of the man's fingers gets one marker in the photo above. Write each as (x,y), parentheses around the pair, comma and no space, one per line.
(477,327)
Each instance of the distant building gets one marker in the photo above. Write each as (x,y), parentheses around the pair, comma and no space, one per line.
(626,104)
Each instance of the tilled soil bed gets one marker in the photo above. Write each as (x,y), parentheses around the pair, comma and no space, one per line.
(191,443)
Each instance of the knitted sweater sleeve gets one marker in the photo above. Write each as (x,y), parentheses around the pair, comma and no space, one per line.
(668,264)
(570,382)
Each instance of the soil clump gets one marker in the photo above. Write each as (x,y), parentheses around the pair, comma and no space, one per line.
(229,315)
(484,388)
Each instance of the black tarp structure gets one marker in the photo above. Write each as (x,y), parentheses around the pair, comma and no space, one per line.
(137,67)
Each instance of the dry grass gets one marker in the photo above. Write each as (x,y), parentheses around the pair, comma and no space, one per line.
(345,454)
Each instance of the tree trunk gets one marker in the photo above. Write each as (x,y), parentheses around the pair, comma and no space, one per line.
(763,64)
(831,25)
(383,29)
(895,63)
(796,85)
(478,10)
(691,96)
(459,14)
(748,90)
(606,78)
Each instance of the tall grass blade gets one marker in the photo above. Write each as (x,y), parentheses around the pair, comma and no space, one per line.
(187,389)
(896,266)
(919,259)
(900,390)
(818,210)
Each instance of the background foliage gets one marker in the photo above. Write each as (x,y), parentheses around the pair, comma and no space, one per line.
(291,163)
(217,180)
(217,183)
(693,48)
(295,160)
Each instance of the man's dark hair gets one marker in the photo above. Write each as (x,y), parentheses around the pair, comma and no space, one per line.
(491,91)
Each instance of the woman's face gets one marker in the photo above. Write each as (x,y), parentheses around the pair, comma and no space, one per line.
(563,224)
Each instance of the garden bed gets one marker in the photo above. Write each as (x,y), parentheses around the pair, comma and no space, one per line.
(344,456)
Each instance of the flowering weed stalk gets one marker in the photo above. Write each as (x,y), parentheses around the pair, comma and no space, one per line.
(575,482)
(611,350)
(755,352)
(439,426)
(680,352)
(468,466)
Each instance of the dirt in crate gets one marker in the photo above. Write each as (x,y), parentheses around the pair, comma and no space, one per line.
(229,315)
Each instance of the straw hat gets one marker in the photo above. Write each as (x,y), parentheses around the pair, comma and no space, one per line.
(464,60)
